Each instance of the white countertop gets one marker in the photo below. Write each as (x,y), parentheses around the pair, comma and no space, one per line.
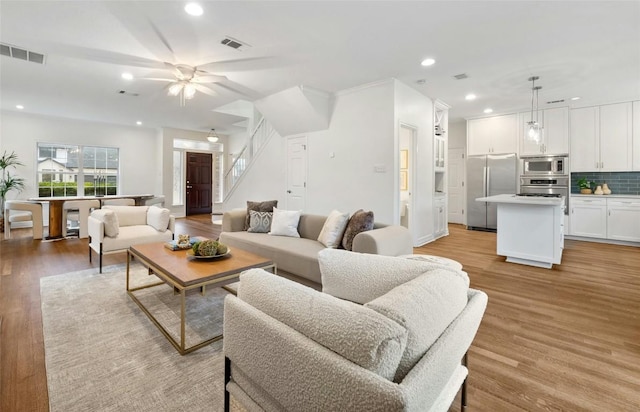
(604,196)
(523,200)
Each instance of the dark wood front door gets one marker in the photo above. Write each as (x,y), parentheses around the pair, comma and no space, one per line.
(199,183)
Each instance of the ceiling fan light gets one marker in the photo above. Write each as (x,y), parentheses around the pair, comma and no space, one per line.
(175,89)
(189,91)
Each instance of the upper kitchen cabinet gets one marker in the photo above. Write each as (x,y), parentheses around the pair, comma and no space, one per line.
(492,135)
(601,138)
(555,133)
(636,135)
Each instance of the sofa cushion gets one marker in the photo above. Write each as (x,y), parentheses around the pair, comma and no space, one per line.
(333,229)
(360,221)
(110,221)
(285,223)
(158,218)
(134,235)
(129,215)
(294,255)
(357,333)
(266,206)
(310,226)
(425,306)
(362,277)
(260,222)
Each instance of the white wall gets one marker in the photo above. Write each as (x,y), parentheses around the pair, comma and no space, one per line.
(457,135)
(416,110)
(140,167)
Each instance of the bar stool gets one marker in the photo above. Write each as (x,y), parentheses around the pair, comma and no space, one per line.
(78,211)
(156,200)
(119,202)
(23,211)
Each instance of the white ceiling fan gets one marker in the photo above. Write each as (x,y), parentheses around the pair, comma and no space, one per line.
(189,79)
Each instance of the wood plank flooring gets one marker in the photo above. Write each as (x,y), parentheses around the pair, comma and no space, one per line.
(562,339)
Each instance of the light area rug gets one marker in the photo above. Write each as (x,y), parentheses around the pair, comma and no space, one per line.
(103,353)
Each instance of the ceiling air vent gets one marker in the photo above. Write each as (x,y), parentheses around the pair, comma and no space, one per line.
(22,54)
(234,43)
(460,76)
(555,101)
(126,93)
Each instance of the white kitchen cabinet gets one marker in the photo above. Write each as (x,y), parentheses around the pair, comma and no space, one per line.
(636,136)
(492,135)
(623,219)
(555,133)
(440,218)
(588,217)
(601,138)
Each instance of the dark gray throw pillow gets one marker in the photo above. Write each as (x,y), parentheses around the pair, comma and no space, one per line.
(361,221)
(260,222)
(266,206)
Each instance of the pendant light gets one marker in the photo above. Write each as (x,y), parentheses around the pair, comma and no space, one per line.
(534,133)
(212,137)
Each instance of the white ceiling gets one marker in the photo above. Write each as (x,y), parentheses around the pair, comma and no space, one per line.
(589,49)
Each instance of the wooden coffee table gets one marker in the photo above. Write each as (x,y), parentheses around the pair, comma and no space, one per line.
(183,274)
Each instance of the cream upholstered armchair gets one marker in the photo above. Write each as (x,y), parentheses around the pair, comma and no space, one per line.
(389,335)
(23,211)
(78,211)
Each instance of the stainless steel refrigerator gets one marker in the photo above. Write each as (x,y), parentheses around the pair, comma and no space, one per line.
(489,175)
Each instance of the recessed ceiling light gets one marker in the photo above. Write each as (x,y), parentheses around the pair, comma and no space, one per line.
(127,76)
(19,106)
(575,98)
(488,110)
(193,9)
(470,96)
(138,122)
(428,62)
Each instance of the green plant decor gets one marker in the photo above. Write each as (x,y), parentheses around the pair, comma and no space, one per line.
(583,183)
(9,182)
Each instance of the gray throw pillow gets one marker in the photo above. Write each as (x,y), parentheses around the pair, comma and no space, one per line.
(260,222)
(266,206)
(361,221)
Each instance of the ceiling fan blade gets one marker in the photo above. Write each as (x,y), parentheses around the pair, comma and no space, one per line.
(209,78)
(246,64)
(136,21)
(205,90)
(97,55)
(238,88)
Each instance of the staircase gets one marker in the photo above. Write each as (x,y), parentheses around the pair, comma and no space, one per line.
(257,140)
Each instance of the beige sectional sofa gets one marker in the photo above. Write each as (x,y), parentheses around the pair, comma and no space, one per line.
(297,258)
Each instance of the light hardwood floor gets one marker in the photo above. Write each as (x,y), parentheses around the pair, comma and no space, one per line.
(561,339)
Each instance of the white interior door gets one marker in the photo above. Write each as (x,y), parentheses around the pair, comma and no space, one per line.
(296,173)
(456,186)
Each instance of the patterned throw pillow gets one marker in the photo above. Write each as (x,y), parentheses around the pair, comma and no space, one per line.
(266,206)
(260,222)
(360,221)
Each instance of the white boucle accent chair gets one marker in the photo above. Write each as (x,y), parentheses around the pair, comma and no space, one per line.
(114,229)
(78,211)
(398,343)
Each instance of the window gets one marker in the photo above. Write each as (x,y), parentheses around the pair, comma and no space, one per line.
(60,171)
(178,186)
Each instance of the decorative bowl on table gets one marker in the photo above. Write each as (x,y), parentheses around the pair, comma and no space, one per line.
(208,249)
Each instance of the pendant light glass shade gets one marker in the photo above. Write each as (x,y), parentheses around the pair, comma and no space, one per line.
(213,137)
(534,133)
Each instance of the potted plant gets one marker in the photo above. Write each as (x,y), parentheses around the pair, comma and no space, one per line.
(584,185)
(8,182)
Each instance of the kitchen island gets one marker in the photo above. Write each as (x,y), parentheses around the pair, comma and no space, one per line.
(530,229)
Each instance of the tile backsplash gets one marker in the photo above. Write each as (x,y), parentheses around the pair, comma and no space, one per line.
(620,183)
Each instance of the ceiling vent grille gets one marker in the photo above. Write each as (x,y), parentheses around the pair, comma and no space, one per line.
(234,43)
(460,76)
(22,54)
(556,101)
(126,93)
